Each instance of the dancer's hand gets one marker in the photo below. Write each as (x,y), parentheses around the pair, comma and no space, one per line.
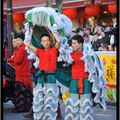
(28,43)
(57,39)
(30,46)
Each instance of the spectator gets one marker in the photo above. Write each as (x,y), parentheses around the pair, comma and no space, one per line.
(114,20)
(22,28)
(102,37)
(113,38)
(104,25)
(110,48)
(100,31)
(95,28)
(87,31)
(103,34)
(22,31)
(87,41)
(106,40)
(79,31)
(95,44)
(104,47)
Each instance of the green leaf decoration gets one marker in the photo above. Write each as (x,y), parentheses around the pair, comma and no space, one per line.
(61,32)
(108,91)
(52,21)
(29,17)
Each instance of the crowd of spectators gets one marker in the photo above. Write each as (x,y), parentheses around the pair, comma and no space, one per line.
(102,38)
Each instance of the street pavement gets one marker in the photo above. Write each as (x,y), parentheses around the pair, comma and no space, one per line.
(99,114)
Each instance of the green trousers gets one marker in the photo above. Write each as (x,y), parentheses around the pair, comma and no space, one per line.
(74,86)
(46,77)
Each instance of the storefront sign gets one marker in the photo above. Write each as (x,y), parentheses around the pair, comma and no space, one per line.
(109,61)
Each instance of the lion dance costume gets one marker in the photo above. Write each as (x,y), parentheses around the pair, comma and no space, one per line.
(45,101)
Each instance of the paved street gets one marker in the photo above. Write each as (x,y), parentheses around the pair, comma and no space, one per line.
(109,114)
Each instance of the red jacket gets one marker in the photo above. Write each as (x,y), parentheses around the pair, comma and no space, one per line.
(78,70)
(20,62)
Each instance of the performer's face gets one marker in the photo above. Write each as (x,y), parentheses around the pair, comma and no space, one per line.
(45,41)
(16,42)
(76,46)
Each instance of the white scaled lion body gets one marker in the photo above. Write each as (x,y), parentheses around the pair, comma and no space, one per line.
(31,54)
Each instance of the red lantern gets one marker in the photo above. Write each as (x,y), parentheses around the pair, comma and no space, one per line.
(71,13)
(18,17)
(112,8)
(92,10)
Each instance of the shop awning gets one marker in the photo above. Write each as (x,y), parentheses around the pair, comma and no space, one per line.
(23,5)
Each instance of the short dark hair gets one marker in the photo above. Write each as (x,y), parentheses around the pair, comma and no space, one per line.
(78,30)
(78,38)
(45,34)
(19,34)
(85,35)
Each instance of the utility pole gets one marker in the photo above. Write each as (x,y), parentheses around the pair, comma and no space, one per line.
(9,26)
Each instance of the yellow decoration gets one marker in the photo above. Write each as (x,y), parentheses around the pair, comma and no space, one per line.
(65,96)
(92,22)
(16,25)
(109,62)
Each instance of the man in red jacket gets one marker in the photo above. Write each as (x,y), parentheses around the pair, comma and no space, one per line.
(20,62)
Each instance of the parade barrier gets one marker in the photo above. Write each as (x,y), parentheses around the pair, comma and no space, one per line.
(109,61)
